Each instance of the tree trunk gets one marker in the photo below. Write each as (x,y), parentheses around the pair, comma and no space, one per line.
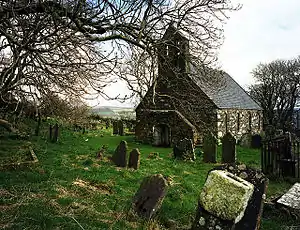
(8,126)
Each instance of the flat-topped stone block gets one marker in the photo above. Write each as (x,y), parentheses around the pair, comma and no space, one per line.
(226,195)
(291,199)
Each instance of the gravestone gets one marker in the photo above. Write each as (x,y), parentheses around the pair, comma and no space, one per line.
(253,212)
(120,155)
(150,195)
(115,128)
(107,124)
(246,140)
(229,205)
(53,132)
(256,141)
(56,132)
(184,150)
(134,159)
(210,149)
(50,132)
(121,128)
(291,200)
(228,148)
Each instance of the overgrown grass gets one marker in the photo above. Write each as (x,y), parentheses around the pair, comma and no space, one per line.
(71,189)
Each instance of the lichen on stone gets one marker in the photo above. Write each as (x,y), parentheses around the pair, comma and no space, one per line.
(226,195)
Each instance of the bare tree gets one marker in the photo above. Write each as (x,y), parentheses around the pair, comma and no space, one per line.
(59,45)
(277,91)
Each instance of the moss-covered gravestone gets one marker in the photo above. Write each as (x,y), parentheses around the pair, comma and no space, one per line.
(134,159)
(184,150)
(226,206)
(120,155)
(228,148)
(210,149)
(150,195)
(226,195)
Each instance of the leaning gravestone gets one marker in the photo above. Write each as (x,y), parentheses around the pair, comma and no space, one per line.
(150,195)
(228,148)
(291,200)
(134,159)
(184,150)
(210,149)
(250,219)
(115,128)
(120,155)
(121,128)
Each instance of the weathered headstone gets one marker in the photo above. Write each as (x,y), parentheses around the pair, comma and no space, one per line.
(56,132)
(253,211)
(107,124)
(210,149)
(150,195)
(291,200)
(50,132)
(115,128)
(229,205)
(134,159)
(120,155)
(53,132)
(246,140)
(256,141)
(228,148)
(184,150)
(121,128)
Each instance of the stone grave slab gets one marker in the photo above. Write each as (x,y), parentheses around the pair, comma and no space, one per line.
(149,197)
(291,199)
(253,212)
(229,205)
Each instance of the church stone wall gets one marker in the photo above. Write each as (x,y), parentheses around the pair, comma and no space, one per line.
(238,122)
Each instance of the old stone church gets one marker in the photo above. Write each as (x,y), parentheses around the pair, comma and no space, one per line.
(188,100)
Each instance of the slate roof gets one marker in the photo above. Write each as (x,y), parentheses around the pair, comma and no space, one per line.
(222,89)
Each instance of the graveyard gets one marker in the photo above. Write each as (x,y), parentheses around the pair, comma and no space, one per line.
(74,183)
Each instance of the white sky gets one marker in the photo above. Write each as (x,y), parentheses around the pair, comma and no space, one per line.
(262,31)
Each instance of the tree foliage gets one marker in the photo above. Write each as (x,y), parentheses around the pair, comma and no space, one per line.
(277,90)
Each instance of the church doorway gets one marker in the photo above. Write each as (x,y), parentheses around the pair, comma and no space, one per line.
(161,135)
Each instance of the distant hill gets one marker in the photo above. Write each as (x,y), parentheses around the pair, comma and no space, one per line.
(114,112)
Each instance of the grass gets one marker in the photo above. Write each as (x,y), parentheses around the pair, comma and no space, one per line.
(14,151)
(71,189)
